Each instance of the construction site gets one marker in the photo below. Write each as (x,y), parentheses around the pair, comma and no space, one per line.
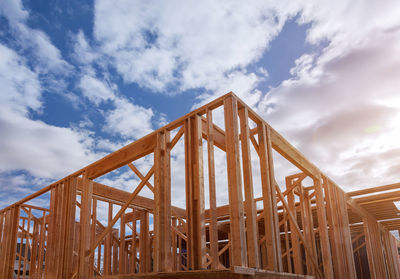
(302,225)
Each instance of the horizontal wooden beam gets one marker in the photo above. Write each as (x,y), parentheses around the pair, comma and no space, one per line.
(283,147)
(123,156)
(390,196)
(107,193)
(374,190)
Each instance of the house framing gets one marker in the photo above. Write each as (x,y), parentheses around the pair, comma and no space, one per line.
(289,231)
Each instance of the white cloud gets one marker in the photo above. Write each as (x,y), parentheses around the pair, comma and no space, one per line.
(95,90)
(41,149)
(128,119)
(20,86)
(342,109)
(14,11)
(108,145)
(348,23)
(83,52)
(48,57)
(190,44)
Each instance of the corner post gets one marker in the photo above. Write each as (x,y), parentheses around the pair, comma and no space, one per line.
(269,199)
(162,198)
(85,217)
(250,206)
(237,224)
(195,207)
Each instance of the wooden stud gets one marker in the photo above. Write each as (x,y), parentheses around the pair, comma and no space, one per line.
(85,216)
(213,229)
(374,249)
(162,197)
(195,193)
(323,230)
(121,259)
(108,244)
(237,225)
(27,244)
(274,259)
(133,246)
(92,236)
(145,254)
(250,206)
(41,244)
(297,256)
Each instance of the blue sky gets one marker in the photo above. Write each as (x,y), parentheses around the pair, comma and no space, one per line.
(79,80)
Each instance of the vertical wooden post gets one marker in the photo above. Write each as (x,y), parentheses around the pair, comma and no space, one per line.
(51,236)
(373,242)
(144,244)
(99,257)
(180,253)
(269,201)
(250,206)
(308,228)
(3,241)
(341,239)
(20,242)
(115,254)
(41,244)
(70,204)
(9,243)
(332,228)
(85,216)
(59,237)
(121,259)
(237,225)
(27,245)
(346,234)
(213,229)
(390,261)
(133,245)
(195,193)
(393,255)
(288,254)
(264,255)
(108,243)
(35,244)
(273,183)
(174,244)
(297,255)
(93,237)
(323,229)
(162,198)
(15,214)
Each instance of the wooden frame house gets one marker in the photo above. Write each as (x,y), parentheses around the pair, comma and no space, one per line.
(288,230)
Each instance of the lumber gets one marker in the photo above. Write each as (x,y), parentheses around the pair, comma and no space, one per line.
(69,229)
(213,229)
(237,224)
